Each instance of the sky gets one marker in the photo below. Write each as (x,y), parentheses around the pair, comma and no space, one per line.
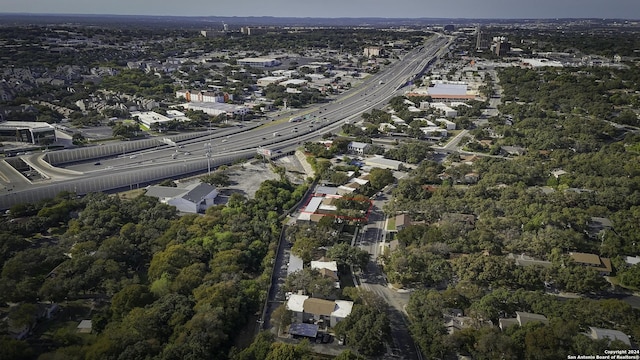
(485,9)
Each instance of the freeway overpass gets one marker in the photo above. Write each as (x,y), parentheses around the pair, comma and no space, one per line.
(138,163)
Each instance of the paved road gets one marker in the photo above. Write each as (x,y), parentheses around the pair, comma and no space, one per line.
(372,279)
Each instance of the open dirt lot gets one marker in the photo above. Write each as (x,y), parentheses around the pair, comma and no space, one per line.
(246,178)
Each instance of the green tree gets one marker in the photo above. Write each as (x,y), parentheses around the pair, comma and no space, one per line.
(380,178)
(281,317)
(365,329)
(131,296)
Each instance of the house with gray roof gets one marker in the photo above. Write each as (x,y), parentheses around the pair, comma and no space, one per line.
(193,198)
(521,319)
(610,334)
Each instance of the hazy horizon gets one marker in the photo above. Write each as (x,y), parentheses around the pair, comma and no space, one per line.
(461,9)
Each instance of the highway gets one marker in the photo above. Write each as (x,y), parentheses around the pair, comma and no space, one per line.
(137,165)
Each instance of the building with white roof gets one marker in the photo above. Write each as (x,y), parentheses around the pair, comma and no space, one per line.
(358,147)
(384,127)
(28,131)
(258,62)
(268,80)
(295,304)
(329,265)
(632,260)
(313,204)
(326,190)
(287,73)
(450,91)
(382,163)
(398,120)
(342,310)
(295,82)
(149,118)
(444,108)
(215,108)
(537,63)
(434,132)
(449,125)
(308,309)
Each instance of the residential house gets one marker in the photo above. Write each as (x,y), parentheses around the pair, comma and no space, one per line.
(455,320)
(598,226)
(295,304)
(434,133)
(524,260)
(358,148)
(326,190)
(193,198)
(328,266)
(513,150)
(521,319)
(599,334)
(471,178)
(323,311)
(84,327)
(602,265)
(402,221)
(632,260)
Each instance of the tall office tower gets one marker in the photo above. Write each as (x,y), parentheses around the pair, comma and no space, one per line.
(482,40)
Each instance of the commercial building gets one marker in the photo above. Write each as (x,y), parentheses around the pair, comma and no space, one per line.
(482,39)
(258,62)
(37,133)
(501,46)
(382,163)
(217,108)
(204,96)
(294,82)
(268,80)
(448,92)
(537,63)
(372,51)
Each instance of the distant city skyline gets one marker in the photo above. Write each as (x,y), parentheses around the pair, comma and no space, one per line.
(470,9)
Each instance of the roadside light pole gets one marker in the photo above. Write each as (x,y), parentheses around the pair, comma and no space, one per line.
(208,155)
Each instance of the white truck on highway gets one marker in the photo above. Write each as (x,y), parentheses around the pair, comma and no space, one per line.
(276,134)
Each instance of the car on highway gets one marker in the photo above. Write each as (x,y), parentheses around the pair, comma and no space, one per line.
(97,163)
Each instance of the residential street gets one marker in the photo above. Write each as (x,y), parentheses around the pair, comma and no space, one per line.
(402,345)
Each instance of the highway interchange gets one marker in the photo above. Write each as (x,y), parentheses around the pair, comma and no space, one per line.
(132,164)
